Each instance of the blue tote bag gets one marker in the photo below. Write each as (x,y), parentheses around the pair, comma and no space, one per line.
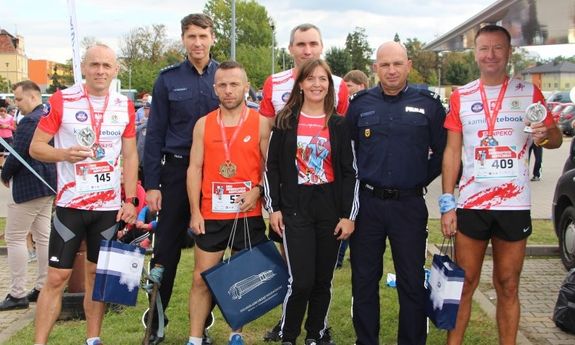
(444,287)
(118,273)
(248,284)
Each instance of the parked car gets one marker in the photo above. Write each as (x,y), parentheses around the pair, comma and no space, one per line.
(560,97)
(563,213)
(556,110)
(566,118)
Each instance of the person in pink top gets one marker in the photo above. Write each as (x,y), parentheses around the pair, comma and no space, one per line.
(6,129)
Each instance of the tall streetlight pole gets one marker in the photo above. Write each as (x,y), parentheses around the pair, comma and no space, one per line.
(272,25)
(7,80)
(233,45)
(439,60)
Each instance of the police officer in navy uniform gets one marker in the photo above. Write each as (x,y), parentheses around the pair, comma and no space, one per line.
(399,140)
(182,93)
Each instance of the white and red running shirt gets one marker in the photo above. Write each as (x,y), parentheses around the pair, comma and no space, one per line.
(92,184)
(313,154)
(277,89)
(495,169)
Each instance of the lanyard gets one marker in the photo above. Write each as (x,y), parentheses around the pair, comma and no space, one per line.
(492,118)
(96,122)
(227,144)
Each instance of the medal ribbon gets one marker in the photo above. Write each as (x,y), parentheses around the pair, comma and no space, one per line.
(227,144)
(492,118)
(96,123)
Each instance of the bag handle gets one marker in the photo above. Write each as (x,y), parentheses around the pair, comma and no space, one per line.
(247,244)
(449,248)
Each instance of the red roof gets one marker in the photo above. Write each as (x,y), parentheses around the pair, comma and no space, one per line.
(8,43)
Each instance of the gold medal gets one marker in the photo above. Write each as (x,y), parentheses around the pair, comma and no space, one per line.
(367,133)
(228,169)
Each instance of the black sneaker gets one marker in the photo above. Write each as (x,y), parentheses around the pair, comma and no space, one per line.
(11,303)
(33,295)
(326,338)
(154,339)
(274,334)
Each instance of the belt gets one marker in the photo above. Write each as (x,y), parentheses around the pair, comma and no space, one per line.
(179,159)
(390,193)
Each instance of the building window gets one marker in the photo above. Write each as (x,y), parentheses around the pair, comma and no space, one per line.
(556,85)
(567,85)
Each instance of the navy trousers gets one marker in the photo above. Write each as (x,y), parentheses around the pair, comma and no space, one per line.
(403,221)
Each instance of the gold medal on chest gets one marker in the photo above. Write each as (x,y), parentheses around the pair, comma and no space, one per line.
(228,169)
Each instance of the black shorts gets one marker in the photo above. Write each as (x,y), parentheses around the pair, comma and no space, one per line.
(70,226)
(218,233)
(484,224)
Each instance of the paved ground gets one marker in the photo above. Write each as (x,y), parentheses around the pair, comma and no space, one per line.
(541,278)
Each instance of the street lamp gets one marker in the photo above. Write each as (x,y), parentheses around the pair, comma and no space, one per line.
(283,59)
(439,60)
(7,80)
(272,25)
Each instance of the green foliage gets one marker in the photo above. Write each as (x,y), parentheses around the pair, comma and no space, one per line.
(144,51)
(256,61)
(358,47)
(339,60)
(455,70)
(253,36)
(423,61)
(61,77)
(4,85)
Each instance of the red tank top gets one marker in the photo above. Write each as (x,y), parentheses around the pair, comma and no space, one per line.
(219,193)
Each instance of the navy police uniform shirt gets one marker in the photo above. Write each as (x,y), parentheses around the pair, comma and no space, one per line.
(180,97)
(399,140)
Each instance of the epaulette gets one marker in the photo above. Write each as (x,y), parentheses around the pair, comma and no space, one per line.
(357,95)
(169,68)
(430,94)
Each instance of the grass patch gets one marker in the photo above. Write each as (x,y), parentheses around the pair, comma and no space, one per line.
(125,327)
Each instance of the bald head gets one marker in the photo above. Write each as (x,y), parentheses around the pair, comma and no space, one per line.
(392,67)
(99,67)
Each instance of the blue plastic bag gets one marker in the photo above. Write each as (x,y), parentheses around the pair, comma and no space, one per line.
(118,273)
(249,284)
(445,288)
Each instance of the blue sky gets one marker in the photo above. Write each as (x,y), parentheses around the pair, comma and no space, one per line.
(43,23)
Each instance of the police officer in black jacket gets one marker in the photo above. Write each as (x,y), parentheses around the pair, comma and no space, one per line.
(182,94)
(399,140)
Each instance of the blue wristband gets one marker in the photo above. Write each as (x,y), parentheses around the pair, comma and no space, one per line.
(446,203)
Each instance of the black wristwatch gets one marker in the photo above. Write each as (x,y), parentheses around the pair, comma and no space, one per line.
(133,200)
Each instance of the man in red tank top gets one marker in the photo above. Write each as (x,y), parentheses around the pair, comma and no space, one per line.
(224,182)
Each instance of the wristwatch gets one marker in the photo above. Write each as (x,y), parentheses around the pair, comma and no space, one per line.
(133,200)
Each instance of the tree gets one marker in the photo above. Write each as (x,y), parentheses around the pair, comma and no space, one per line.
(424,62)
(339,60)
(253,35)
(396,38)
(358,47)
(61,77)
(144,52)
(4,85)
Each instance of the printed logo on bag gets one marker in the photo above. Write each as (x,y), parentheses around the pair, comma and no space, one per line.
(242,287)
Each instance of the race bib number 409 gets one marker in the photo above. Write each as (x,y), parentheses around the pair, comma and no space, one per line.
(495,162)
